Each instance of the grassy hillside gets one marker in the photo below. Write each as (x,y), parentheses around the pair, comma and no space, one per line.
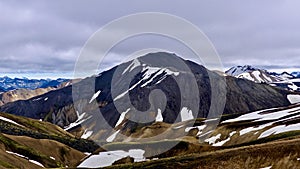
(25,142)
(279,154)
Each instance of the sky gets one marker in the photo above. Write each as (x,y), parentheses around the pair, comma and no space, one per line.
(46,37)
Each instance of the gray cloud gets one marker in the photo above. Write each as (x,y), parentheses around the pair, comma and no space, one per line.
(48,35)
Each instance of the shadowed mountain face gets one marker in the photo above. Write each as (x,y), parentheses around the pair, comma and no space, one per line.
(155,87)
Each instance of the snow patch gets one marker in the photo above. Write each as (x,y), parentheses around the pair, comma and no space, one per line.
(279,129)
(135,63)
(95,96)
(19,155)
(86,134)
(186,114)
(262,116)
(250,129)
(79,121)
(213,139)
(104,159)
(267,167)
(178,127)
(8,120)
(200,128)
(36,163)
(113,136)
(221,143)
(32,161)
(293,98)
(122,116)
(159,117)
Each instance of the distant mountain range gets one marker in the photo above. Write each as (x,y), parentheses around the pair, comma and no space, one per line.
(289,81)
(7,83)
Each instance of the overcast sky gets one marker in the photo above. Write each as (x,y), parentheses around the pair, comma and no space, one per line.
(46,36)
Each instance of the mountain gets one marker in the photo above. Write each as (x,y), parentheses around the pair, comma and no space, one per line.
(7,83)
(29,143)
(142,115)
(258,75)
(22,94)
(81,104)
(296,74)
(283,80)
(25,94)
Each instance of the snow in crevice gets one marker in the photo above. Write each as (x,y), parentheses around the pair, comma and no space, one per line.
(149,74)
(186,114)
(32,161)
(293,98)
(37,99)
(104,159)
(79,121)
(178,127)
(280,129)
(36,163)
(221,143)
(263,115)
(135,63)
(213,139)
(113,136)
(159,117)
(250,129)
(122,117)
(95,96)
(86,134)
(154,72)
(8,120)
(200,129)
(269,167)
(124,93)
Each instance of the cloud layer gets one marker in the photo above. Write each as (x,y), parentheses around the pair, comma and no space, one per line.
(46,36)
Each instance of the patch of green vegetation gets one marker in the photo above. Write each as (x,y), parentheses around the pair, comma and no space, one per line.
(76,143)
(27,151)
(6,165)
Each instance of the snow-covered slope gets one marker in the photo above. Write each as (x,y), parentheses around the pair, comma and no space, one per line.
(284,80)
(258,125)
(257,75)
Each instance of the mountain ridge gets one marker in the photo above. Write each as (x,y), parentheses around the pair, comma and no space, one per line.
(64,106)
